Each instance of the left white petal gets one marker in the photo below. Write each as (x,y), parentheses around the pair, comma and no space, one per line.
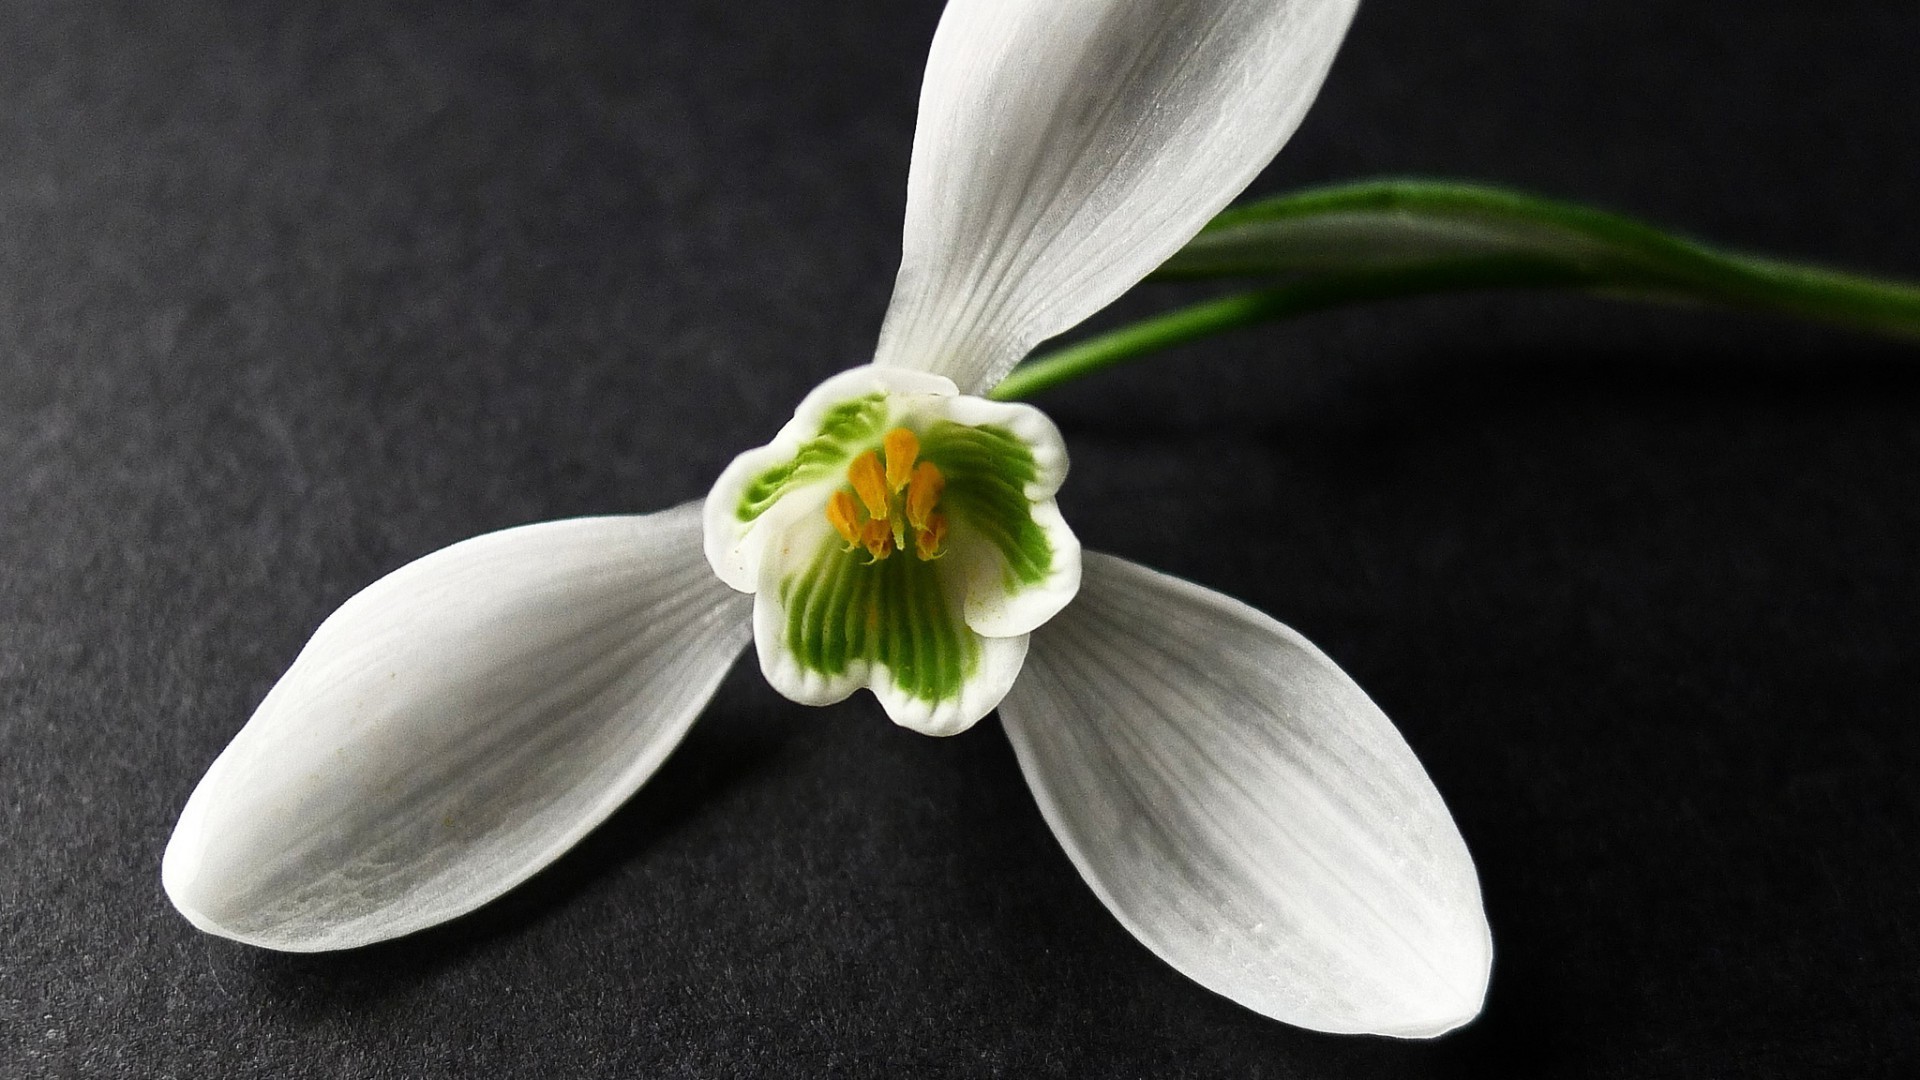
(453,728)
(1064,150)
(1246,811)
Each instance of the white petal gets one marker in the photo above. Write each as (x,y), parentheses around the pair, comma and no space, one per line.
(1066,149)
(994,610)
(1246,811)
(991,608)
(998,659)
(453,728)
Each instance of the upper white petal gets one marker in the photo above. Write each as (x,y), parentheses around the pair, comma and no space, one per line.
(1066,149)
(1246,811)
(453,728)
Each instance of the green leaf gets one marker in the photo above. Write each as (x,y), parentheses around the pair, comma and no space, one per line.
(1387,239)
(1405,223)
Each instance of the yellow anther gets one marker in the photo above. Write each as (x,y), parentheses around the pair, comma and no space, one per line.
(844,516)
(923,493)
(902,448)
(898,493)
(869,481)
(878,539)
(927,540)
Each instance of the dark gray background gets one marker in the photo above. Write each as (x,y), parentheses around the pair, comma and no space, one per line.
(290,298)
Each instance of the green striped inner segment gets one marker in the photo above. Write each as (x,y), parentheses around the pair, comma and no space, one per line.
(988,469)
(844,608)
(845,431)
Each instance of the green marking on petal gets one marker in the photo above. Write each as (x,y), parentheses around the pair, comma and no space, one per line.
(842,608)
(852,422)
(988,469)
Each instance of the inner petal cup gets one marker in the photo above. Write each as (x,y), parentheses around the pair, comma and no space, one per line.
(898,536)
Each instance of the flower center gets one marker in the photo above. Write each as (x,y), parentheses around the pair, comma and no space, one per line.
(890,495)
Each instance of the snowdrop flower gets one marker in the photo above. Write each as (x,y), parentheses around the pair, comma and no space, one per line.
(1236,801)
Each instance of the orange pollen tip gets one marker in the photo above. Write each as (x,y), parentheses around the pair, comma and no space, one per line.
(923,493)
(928,540)
(902,448)
(844,516)
(878,539)
(869,481)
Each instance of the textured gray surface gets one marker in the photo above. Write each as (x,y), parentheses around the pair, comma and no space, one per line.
(289,298)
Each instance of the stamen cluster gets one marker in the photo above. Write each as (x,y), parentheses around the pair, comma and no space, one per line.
(896,496)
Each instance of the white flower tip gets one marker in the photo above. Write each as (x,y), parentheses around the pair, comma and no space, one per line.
(1449,998)
(1409,959)
(1064,150)
(1246,811)
(180,874)
(1420,973)
(194,893)
(222,895)
(453,728)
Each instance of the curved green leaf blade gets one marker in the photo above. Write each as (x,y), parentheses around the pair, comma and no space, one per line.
(1388,239)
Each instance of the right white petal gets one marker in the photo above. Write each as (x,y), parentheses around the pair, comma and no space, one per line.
(1066,148)
(1244,809)
(994,609)
(455,727)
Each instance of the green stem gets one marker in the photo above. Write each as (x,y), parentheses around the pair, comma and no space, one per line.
(1381,240)
(1210,317)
